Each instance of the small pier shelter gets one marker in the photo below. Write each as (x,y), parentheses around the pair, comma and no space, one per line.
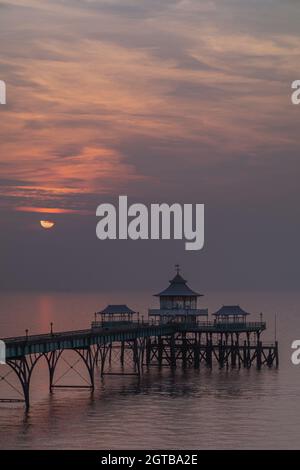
(230,314)
(114,315)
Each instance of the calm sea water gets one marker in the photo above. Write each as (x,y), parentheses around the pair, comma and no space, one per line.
(234,409)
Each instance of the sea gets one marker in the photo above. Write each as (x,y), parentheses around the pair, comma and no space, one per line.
(164,409)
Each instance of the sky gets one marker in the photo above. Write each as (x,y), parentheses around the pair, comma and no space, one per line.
(164,101)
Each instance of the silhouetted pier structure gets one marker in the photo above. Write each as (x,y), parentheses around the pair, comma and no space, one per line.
(177,334)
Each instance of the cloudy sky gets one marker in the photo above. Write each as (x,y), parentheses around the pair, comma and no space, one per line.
(165,101)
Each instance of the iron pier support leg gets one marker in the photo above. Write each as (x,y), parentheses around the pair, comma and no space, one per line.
(136,362)
(221,353)
(233,353)
(196,355)
(270,358)
(173,352)
(226,351)
(238,349)
(110,353)
(89,359)
(184,350)
(160,350)
(276,354)
(122,353)
(23,367)
(245,354)
(103,350)
(248,351)
(52,359)
(259,355)
(208,355)
(138,354)
(148,352)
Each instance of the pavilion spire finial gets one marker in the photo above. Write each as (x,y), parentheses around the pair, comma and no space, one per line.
(177,267)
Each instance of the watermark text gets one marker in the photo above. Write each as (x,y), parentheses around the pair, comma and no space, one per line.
(2,92)
(295,358)
(156,222)
(296,94)
(2,352)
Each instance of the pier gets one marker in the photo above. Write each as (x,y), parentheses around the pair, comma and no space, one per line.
(173,345)
(178,334)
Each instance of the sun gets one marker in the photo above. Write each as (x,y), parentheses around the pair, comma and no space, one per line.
(47,224)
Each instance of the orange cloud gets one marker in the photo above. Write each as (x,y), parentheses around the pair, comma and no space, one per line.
(50,210)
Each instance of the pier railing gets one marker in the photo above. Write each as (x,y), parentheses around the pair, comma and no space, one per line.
(182,312)
(218,327)
(204,326)
(220,323)
(215,326)
(45,336)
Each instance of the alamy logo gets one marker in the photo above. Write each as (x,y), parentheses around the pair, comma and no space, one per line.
(2,92)
(159,222)
(295,358)
(2,352)
(296,93)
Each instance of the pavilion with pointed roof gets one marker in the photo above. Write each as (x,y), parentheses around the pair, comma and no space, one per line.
(178,302)
(231,313)
(114,314)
